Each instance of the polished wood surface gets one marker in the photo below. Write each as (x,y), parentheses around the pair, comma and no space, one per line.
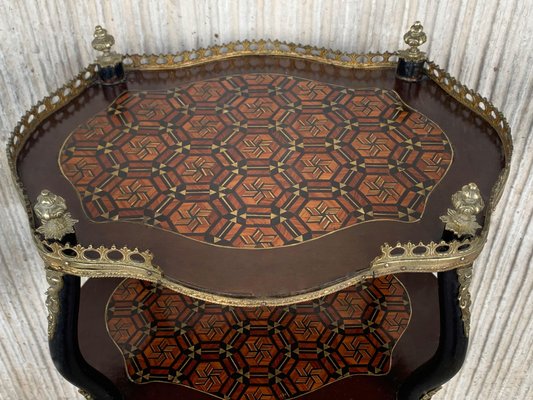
(285,270)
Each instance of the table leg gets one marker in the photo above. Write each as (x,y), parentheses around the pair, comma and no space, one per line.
(62,301)
(453,343)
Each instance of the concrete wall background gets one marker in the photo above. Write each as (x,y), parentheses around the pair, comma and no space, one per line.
(486,44)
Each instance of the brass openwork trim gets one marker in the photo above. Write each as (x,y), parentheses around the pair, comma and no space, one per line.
(256,48)
(427,262)
(104,262)
(486,110)
(464,276)
(430,257)
(55,282)
(35,116)
(99,262)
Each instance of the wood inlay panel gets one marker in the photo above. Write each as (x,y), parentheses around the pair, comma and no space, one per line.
(256,160)
(246,353)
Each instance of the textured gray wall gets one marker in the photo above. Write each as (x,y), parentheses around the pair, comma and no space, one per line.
(486,44)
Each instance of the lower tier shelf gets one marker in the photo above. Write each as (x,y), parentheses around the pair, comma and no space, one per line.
(365,339)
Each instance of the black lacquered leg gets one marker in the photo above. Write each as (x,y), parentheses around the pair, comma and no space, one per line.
(63,301)
(453,344)
(64,347)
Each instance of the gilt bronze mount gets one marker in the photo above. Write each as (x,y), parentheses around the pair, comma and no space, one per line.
(56,220)
(111,69)
(467,203)
(411,61)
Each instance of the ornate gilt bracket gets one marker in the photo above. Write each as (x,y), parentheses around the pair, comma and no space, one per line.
(461,220)
(56,220)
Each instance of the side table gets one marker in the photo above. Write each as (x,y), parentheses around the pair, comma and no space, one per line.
(267,216)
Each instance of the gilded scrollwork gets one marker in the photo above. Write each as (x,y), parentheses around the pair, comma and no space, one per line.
(464,276)
(55,284)
(99,262)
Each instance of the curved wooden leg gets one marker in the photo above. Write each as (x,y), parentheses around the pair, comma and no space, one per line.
(63,305)
(448,359)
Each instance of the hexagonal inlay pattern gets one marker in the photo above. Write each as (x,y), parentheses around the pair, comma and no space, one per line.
(247,353)
(256,160)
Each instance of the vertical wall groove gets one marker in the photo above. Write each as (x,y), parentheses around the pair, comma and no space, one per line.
(486,44)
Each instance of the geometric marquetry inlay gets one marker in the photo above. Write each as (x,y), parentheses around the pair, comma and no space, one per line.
(256,160)
(257,353)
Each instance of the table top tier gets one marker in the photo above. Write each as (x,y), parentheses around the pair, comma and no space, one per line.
(261,176)
(258,160)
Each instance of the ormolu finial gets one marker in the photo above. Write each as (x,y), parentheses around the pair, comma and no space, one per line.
(414,38)
(467,203)
(103,42)
(52,211)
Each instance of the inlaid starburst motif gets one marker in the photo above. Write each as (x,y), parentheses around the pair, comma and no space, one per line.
(325,215)
(198,169)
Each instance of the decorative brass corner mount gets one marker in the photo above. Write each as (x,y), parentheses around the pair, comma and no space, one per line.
(414,38)
(467,203)
(103,42)
(56,221)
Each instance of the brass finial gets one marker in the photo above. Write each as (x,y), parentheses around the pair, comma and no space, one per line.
(467,203)
(103,42)
(56,221)
(414,38)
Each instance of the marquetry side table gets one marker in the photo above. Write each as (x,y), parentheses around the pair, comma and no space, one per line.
(265,218)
